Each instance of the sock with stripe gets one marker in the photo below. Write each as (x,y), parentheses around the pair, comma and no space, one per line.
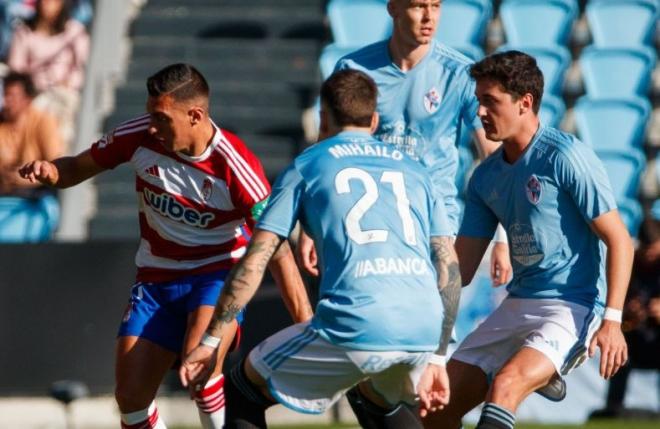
(495,417)
(143,419)
(246,405)
(211,403)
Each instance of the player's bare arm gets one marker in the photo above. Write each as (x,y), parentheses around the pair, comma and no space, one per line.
(484,146)
(63,172)
(433,387)
(614,352)
(292,288)
(470,252)
(240,287)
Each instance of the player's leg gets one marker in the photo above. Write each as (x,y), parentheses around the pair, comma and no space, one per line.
(210,398)
(468,386)
(140,366)
(525,372)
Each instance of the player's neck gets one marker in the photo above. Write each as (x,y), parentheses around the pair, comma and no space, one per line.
(201,139)
(515,146)
(405,55)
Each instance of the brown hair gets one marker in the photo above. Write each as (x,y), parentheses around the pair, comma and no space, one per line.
(516,71)
(350,96)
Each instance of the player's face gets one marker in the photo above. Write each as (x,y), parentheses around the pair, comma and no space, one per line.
(16,101)
(415,21)
(170,122)
(500,114)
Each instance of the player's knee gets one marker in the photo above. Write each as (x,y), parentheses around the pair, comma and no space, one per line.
(507,384)
(128,400)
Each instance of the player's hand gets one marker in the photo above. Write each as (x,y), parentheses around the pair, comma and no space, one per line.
(433,389)
(198,365)
(500,264)
(306,254)
(40,171)
(613,348)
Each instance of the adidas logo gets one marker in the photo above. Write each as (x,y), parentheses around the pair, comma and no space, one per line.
(153,171)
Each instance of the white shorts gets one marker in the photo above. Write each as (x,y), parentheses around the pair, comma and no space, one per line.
(308,374)
(561,330)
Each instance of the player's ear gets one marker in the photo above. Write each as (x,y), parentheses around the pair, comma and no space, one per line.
(196,114)
(526,103)
(391,8)
(374,122)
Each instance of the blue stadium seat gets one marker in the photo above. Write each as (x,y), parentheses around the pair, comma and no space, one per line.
(617,72)
(538,23)
(25,220)
(612,123)
(655,210)
(624,168)
(616,23)
(359,22)
(552,110)
(552,60)
(463,22)
(330,55)
(632,214)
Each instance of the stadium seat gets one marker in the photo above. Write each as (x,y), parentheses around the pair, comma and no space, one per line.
(330,55)
(24,220)
(553,62)
(538,23)
(632,214)
(552,110)
(617,72)
(359,22)
(624,168)
(617,23)
(463,22)
(612,123)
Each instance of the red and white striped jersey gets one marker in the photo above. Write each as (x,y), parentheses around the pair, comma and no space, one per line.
(196,213)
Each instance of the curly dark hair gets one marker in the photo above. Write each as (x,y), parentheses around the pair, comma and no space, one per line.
(516,71)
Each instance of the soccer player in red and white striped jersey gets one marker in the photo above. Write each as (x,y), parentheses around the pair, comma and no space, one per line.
(200,192)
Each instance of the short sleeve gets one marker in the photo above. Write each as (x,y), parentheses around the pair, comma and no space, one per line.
(248,186)
(479,221)
(440,223)
(582,175)
(283,209)
(114,148)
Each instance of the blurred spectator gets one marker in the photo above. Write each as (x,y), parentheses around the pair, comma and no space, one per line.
(53,49)
(26,133)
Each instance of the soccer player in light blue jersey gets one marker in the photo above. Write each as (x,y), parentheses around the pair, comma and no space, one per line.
(571,253)
(425,102)
(385,250)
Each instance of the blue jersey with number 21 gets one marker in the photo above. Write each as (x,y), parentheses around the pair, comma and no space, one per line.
(371,211)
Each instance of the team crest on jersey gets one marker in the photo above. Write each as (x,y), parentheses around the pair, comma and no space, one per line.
(432,100)
(534,189)
(207,189)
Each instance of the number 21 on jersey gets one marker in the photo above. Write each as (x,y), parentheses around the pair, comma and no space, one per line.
(394,179)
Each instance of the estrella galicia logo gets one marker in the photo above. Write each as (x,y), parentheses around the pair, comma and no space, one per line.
(432,100)
(534,189)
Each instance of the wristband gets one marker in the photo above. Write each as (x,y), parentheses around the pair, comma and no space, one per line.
(438,360)
(210,340)
(613,314)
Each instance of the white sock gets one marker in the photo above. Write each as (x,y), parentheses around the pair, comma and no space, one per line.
(211,403)
(143,419)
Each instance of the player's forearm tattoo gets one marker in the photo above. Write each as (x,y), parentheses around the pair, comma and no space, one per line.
(449,285)
(243,281)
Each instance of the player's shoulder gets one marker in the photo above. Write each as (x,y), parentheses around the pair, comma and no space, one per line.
(562,146)
(135,128)
(369,57)
(449,57)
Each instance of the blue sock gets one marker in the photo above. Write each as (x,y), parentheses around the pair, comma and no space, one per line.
(495,417)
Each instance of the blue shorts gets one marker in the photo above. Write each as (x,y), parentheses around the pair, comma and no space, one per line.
(159,312)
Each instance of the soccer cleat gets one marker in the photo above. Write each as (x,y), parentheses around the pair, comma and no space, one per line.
(554,391)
